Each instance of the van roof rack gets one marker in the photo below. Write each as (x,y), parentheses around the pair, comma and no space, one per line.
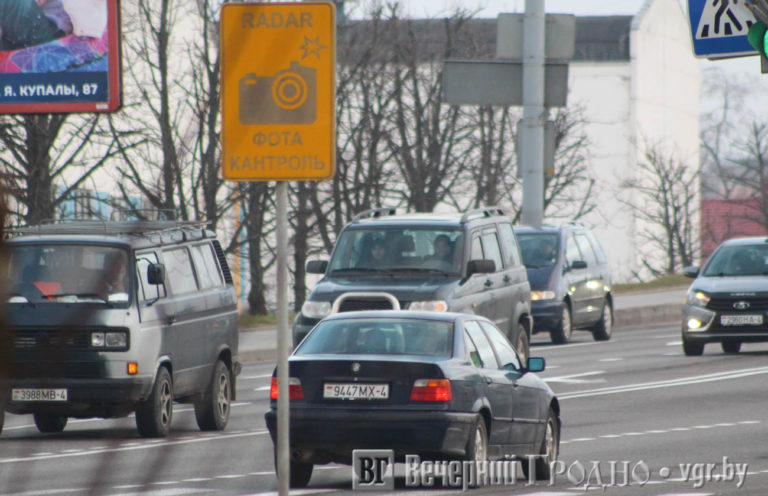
(374,212)
(483,212)
(127,227)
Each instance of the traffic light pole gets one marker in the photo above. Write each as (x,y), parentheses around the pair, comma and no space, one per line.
(534,118)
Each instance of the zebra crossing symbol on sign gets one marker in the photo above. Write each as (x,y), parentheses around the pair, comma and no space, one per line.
(720,27)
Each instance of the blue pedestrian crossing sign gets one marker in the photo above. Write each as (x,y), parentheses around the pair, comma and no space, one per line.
(719,28)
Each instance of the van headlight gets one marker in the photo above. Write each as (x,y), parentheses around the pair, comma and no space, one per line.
(429,306)
(697,298)
(316,309)
(111,339)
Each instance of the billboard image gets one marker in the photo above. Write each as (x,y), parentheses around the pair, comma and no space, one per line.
(59,56)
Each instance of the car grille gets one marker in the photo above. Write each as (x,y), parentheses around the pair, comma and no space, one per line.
(57,369)
(55,338)
(721,304)
(352,305)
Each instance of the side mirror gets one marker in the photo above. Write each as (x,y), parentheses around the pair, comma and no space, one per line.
(480,267)
(156,273)
(692,272)
(579,264)
(536,364)
(317,266)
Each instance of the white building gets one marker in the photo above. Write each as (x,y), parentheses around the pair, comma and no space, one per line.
(638,82)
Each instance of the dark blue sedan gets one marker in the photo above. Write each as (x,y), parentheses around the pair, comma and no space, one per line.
(437,385)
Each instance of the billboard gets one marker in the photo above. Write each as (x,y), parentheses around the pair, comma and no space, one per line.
(59,56)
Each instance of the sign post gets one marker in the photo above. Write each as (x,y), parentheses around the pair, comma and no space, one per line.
(278,93)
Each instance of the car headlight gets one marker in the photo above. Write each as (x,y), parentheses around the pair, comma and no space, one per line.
(697,298)
(316,309)
(429,306)
(542,295)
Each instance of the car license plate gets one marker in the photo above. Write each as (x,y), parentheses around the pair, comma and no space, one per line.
(39,395)
(736,320)
(344,391)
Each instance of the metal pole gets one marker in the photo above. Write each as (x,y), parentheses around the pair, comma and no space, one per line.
(532,131)
(283,342)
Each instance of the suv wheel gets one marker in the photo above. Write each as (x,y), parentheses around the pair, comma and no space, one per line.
(691,348)
(522,344)
(562,334)
(731,346)
(604,327)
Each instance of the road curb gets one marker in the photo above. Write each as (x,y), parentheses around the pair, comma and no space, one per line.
(659,314)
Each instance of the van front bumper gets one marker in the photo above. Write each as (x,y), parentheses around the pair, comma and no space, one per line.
(85,397)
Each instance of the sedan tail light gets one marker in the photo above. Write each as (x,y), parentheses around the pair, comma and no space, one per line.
(431,390)
(295,391)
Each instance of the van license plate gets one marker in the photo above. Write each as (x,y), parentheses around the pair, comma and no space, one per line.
(39,395)
(736,320)
(344,391)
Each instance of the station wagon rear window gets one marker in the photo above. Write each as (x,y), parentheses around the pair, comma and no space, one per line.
(380,337)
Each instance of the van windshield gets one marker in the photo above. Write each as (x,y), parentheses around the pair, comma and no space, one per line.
(398,250)
(58,273)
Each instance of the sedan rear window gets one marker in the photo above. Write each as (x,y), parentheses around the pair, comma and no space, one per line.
(380,337)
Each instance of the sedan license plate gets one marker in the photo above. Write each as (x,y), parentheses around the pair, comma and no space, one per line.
(347,391)
(737,320)
(39,395)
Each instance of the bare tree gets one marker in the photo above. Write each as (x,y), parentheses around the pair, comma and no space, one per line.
(665,201)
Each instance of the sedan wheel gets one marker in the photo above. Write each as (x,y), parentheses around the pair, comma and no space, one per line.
(550,449)
(564,331)
(477,447)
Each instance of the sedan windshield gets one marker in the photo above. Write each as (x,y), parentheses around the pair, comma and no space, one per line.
(380,336)
(372,251)
(738,260)
(60,273)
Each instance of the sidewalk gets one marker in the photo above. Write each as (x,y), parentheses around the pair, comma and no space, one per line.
(630,309)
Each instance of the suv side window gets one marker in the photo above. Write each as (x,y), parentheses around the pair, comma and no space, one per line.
(509,242)
(476,252)
(484,348)
(147,291)
(178,267)
(586,249)
(507,355)
(492,249)
(572,252)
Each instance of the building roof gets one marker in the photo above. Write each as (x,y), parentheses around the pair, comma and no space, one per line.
(598,38)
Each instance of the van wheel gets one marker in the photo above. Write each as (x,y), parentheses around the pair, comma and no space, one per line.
(521,343)
(562,334)
(50,423)
(153,416)
(212,410)
(604,327)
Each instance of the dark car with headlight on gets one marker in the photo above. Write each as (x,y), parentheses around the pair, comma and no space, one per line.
(727,302)
(435,384)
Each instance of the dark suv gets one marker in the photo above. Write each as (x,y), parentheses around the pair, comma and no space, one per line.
(570,281)
(727,303)
(457,262)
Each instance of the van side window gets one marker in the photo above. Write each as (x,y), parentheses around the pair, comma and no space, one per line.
(598,248)
(178,269)
(572,252)
(492,249)
(206,267)
(147,291)
(586,250)
(509,242)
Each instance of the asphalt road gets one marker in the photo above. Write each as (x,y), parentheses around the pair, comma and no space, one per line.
(633,405)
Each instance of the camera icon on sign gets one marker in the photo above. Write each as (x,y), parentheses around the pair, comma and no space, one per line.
(288,97)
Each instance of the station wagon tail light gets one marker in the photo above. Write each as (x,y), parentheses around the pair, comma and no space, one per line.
(295,391)
(431,390)
(429,306)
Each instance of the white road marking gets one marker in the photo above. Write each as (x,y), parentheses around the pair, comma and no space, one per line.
(561,347)
(576,378)
(660,431)
(681,381)
(265,388)
(610,360)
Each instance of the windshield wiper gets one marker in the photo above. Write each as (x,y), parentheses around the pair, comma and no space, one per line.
(420,269)
(359,269)
(77,295)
